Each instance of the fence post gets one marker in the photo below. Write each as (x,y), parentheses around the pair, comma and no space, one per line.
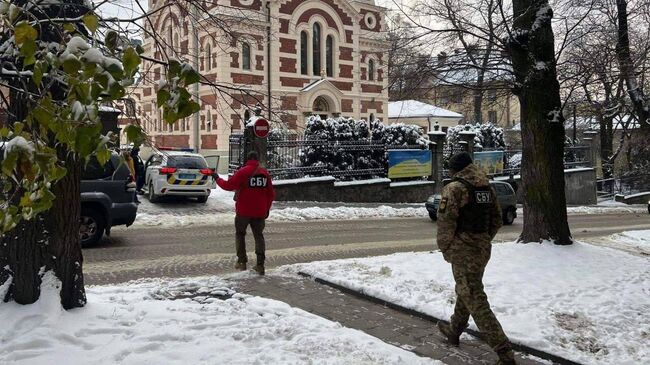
(436,146)
(594,151)
(467,140)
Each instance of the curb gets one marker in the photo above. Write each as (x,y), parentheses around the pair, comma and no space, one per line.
(516,346)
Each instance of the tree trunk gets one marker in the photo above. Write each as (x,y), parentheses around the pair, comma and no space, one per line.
(478,103)
(641,109)
(607,144)
(543,135)
(49,242)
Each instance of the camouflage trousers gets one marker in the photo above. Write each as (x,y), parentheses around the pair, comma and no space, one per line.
(472,300)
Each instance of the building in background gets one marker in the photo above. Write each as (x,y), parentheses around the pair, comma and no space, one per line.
(457,82)
(422,114)
(327,57)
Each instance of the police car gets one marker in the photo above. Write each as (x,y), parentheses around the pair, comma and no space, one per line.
(179,173)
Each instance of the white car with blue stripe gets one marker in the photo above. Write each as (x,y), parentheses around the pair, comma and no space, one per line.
(178,173)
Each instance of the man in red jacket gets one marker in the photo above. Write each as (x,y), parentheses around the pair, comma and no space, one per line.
(254,195)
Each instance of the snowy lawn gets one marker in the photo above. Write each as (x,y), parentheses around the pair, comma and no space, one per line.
(141,323)
(586,303)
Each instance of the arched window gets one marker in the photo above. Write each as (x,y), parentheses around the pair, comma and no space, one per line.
(208,121)
(246,56)
(170,36)
(176,43)
(247,116)
(329,56)
(208,57)
(304,67)
(371,70)
(316,43)
(371,118)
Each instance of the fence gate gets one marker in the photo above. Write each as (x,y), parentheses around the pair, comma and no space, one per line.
(236,152)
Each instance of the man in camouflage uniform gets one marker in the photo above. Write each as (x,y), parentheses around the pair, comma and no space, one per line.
(469,217)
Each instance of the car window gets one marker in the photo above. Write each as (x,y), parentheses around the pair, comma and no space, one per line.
(155,160)
(502,189)
(187,162)
(95,171)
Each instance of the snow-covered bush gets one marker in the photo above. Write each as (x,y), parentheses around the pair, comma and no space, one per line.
(349,144)
(278,157)
(488,135)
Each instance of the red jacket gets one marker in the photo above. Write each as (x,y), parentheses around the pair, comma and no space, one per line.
(256,192)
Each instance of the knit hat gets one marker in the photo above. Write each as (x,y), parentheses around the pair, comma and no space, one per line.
(459,161)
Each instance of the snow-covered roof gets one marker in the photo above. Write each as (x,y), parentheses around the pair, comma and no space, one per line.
(417,109)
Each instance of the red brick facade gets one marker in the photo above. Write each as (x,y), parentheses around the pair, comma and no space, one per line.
(293,81)
(289,103)
(288,45)
(346,54)
(346,106)
(365,88)
(370,105)
(209,141)
(345,71)
(173,140)
(290,6)
(288,65)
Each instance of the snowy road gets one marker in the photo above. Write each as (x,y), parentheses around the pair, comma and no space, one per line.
(206,250)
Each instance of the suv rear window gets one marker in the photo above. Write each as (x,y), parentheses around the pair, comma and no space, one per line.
(94,171)
(187,162)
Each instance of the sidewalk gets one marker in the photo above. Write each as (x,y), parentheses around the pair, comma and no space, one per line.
(391,326)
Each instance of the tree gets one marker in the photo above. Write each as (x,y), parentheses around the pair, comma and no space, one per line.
(59,66)
(472,34)
(634,88)
(532,49)
(410,67)
(590,74)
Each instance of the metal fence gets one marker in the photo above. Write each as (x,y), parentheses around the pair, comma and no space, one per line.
(295,157)
(626,185)
(236,152)
(574,157)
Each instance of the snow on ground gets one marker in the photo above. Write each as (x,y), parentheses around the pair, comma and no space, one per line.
(220,208)
(140,323)
(606,207)
(583,302)
(636,241)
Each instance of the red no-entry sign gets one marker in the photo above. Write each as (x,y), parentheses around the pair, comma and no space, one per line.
(261,128)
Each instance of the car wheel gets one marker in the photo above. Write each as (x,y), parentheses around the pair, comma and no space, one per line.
(509,216)
(433,216)
(202,199)
(153,197)
(92,226)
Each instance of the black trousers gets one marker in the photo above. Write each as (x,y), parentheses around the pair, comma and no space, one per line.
(257,226)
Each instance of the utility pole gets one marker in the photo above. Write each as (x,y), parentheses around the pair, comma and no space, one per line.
(197,98)
(268,59)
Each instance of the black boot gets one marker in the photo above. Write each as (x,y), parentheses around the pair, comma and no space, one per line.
(259,268)
(505,353)
(452,334)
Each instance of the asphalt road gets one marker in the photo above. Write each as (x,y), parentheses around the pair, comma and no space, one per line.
(208,250)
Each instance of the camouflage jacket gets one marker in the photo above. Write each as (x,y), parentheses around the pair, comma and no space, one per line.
(454,196)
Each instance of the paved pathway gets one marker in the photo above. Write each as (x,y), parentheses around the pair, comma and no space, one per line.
(391,326)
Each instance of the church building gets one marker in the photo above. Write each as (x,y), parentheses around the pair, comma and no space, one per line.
(295,58)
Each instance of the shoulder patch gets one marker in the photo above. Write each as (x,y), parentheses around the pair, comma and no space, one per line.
(443,205)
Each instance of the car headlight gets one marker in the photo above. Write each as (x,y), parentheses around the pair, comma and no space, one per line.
(432,199)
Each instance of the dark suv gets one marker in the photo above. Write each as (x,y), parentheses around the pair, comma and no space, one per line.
(107,199)
(505,194)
